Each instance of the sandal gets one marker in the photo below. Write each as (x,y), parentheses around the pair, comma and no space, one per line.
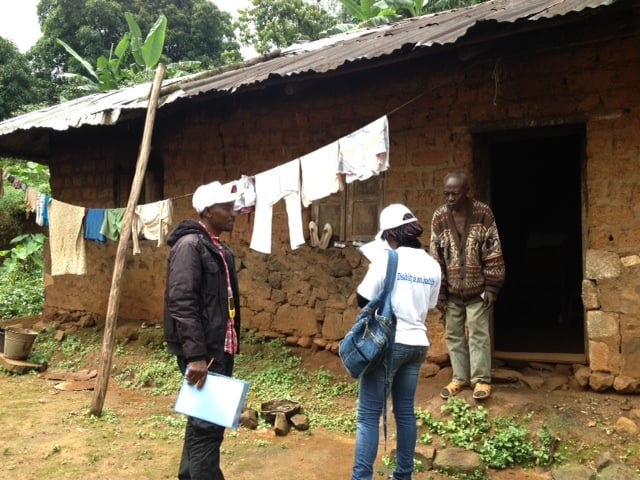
(482,391)
(327,233)
(451,390)
(313,234)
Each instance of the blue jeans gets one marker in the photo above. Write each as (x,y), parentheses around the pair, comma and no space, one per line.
(405,368)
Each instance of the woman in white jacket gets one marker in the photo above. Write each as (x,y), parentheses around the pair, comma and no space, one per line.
(415,292)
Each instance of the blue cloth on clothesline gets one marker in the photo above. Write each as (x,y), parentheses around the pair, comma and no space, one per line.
(93,221)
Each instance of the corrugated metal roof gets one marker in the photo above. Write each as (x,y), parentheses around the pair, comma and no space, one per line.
(319,57)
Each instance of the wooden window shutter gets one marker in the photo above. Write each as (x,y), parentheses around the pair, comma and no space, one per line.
(364,202)
(353,212)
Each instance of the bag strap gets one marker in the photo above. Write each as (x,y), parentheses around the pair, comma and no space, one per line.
(389,281)
(392,268)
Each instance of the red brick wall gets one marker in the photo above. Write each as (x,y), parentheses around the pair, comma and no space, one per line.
(520,83)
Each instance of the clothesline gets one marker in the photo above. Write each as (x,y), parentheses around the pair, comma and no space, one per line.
(299,182)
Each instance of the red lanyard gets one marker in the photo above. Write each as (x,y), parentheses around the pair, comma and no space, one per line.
(231,339)
(218,244)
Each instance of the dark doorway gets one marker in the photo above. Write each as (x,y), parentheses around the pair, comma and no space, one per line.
(535,182)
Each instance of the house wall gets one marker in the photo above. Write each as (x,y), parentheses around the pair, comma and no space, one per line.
(587,75)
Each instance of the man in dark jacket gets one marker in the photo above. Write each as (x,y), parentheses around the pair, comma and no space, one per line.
(202,317)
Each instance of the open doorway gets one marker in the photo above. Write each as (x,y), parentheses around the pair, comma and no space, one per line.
(534,181)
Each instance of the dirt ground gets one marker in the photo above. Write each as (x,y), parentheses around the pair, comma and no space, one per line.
(46,432)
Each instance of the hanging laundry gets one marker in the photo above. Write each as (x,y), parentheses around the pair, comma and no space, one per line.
(320,173)
(246,201)
(42,210)
(17,184)
(112,225)
(93,223)
(365,152)
(31,197)
(152,221)
(271,186)
(66,239)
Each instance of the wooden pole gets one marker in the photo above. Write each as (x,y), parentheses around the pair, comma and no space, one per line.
(109,337)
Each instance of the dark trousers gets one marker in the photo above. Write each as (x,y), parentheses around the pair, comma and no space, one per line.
(201,451)
(202,440)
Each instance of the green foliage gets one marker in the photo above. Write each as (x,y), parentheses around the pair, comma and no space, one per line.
(198,33)
(25,257)
(466,426)
(16,82)
(275,372)
(112,73)
(147,54)
(166,427)
(501,443)
(12,215)
(441,5)
(21,277)
(21,265)
(33,174)
(510,445)
(67,354)
(369,13)
(270,24)
(21,299)
(159,373)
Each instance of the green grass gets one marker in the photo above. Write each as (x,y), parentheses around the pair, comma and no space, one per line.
(276,373)
(501,442)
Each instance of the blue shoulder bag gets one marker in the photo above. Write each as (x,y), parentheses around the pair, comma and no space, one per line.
(374,331)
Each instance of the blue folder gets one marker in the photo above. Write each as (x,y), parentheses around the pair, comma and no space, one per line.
(220,401)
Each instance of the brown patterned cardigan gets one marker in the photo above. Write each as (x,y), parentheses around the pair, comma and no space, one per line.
(472,262)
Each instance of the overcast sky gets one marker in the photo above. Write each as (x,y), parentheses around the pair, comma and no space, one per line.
(19,19)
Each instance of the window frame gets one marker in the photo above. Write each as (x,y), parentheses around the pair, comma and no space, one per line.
(343,209)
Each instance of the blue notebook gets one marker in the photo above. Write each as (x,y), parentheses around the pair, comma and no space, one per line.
(220,400)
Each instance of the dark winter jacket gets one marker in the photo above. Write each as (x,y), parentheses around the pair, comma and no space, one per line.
(196,300)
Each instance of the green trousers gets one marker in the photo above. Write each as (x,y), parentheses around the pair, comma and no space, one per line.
(470,357)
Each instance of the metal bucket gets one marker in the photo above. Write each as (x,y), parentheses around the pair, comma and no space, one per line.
(18,342)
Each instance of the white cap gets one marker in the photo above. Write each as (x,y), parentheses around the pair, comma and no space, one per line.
(214,193)
(392,216)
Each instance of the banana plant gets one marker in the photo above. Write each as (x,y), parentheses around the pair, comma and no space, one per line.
(412,8)
(108,74)
(25,256)
(363,11)
(370,12)
(111,73)
(377,12)
(147,54)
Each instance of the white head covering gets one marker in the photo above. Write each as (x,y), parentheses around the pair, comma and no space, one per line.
(392,216)
(214,193)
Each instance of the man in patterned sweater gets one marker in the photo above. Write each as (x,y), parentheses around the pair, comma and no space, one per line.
(465,241)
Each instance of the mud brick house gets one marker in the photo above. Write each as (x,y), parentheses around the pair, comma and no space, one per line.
(537,100)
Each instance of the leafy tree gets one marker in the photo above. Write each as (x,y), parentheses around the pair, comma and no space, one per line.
(377,12)
(33,174)
(13,220)
(111,73)
(441,5)
(272,24)
(16,82)
(197,30)
(369,12)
